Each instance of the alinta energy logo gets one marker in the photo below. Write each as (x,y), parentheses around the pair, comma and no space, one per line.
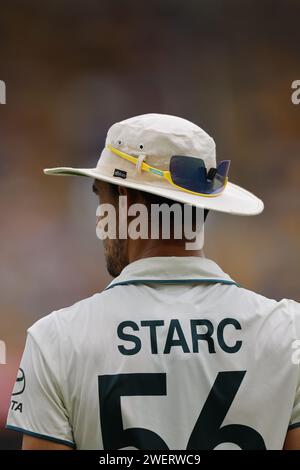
(2,92)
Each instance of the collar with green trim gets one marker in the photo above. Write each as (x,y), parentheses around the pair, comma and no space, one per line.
(171,270)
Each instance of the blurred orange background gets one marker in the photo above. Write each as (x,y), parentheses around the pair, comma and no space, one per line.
(74,68)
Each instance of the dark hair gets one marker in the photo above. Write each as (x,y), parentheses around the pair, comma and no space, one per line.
(155,199)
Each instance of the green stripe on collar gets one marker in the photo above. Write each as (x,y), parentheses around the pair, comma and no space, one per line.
(171,281)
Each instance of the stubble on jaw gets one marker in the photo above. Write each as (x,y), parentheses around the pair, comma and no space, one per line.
(115,256)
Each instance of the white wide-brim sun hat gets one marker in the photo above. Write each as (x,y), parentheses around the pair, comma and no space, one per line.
(155,138)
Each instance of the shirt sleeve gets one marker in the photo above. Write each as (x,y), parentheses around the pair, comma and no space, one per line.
(295,417)
(36,406)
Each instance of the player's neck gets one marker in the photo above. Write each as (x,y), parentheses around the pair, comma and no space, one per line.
(139,249)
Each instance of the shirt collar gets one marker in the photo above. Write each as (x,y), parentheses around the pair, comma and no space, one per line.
(171,270)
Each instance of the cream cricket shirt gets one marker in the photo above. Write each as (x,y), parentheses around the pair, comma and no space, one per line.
(172,355)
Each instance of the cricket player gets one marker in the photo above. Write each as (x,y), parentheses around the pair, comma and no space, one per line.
(173,354)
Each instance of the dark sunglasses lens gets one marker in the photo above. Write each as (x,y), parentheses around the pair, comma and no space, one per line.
(223,168)
(220,177)
(190,173)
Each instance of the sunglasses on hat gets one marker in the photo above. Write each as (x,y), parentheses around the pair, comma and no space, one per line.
(189,174)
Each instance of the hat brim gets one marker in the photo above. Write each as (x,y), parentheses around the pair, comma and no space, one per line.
(233,200)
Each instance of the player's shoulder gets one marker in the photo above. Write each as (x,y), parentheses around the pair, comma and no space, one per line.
(288,309)
(267,302)
(53,325)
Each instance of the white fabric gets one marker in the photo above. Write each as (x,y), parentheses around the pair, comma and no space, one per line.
(159,137)
(69,349)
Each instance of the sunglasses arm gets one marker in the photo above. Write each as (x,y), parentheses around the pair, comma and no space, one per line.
(145,166)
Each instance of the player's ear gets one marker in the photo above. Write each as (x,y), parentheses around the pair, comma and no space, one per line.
(122,191)
(131,194)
